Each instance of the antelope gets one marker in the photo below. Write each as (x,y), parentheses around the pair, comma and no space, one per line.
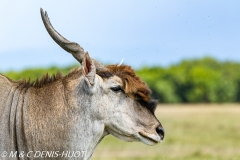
(75,112)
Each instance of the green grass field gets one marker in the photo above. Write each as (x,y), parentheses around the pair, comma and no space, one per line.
(193,132)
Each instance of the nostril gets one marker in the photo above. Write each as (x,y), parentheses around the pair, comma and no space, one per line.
(160,131)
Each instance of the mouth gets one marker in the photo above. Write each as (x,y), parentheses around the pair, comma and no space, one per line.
(149,139)
(144,137)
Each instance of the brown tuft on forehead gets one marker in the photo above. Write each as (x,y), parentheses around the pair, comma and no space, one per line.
(132,84)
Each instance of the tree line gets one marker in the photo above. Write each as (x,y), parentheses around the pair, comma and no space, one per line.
(203,80)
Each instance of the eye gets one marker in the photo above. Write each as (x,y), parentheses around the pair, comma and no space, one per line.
(116,89)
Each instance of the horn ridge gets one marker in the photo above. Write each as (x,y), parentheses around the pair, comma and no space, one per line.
(72,47)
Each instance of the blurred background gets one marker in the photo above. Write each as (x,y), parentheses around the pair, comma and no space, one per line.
(188,53)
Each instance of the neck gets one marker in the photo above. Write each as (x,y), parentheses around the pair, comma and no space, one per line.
(60,125)
(87,129)
(86,135)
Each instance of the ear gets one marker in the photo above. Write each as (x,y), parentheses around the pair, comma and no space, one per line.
(89,70)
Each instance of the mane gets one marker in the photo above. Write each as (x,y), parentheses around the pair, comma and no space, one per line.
(47,79)
(38,83)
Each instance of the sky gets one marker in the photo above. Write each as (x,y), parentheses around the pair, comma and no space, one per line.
(156,32)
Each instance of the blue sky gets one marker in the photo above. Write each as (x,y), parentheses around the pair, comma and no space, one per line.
(141,32)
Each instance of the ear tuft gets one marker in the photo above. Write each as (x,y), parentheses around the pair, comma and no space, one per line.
(89,69)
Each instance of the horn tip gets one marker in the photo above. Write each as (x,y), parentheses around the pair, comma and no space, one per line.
(43,13)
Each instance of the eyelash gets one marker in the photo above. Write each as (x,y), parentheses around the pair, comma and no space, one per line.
(116,89)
